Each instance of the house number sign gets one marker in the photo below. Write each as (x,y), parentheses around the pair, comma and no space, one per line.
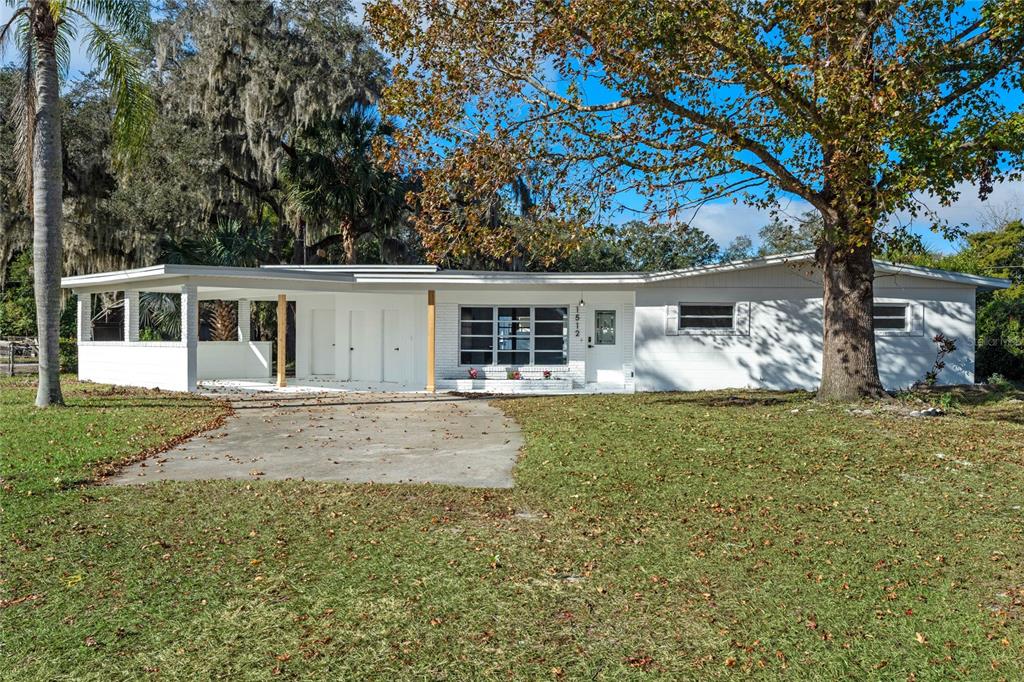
(578,333)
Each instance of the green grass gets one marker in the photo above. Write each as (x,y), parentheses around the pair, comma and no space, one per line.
(658,535)
(46,450)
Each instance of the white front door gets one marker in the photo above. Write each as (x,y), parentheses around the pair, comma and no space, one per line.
(323,342)
(397,347)
(604,346)
(363,347)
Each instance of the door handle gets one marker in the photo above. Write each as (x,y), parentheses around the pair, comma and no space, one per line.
(396,347)
(351,348)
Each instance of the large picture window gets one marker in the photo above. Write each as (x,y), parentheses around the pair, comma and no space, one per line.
(513,335)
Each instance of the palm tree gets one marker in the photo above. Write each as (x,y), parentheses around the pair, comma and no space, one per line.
(43,29)
(339,190)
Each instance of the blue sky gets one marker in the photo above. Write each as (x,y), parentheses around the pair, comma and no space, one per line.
(726,219)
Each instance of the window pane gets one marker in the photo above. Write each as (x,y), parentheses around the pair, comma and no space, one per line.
(475,358)
(477,314)
(513,343)
(705,322)
(476,343)
(550,313)
(890,323)
(549,358)
(513,328)
(478,328)
(513,358)
(549,343)
(549,329)
(514,314)
(712,310)
(889,310)
(604,327)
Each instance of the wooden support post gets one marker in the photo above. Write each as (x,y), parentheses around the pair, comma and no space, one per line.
(431,342)
(282,338)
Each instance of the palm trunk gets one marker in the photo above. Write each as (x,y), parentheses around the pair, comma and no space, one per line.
(849,367)
(47,193)
(299,234)
(348,242)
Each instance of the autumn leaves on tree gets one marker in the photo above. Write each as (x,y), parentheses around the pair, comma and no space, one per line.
(856,108)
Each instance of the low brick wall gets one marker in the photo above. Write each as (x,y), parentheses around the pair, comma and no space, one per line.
(507,385)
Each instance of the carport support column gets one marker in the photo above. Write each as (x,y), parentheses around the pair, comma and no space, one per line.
(84,317)
(131,316)
(431,341)
(282,341)
(244,316)
(190,330)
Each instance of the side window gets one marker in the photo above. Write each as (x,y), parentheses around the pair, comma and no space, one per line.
(890,316)
(706,316)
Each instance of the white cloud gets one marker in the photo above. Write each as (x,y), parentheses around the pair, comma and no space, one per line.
(1006,200)
(725,220)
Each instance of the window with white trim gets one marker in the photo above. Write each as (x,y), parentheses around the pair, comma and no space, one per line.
(513,335)
(697,316)
(890,316)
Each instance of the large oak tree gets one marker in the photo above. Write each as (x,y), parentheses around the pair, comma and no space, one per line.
(856,107)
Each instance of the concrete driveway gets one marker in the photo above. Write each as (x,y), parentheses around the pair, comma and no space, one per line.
(354,437)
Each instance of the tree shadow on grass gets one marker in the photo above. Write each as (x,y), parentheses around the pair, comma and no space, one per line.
(1013,414)
(744,399)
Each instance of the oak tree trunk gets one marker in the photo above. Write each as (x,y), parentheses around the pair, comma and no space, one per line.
(47,200)
(849,367)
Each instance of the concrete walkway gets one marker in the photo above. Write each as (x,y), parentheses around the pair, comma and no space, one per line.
(355,437)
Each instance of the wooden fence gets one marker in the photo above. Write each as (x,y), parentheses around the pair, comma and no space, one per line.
(18,355)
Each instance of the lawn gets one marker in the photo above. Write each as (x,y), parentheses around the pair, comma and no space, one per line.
(684,536)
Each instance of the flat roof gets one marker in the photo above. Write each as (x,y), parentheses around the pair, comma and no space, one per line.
(322,276)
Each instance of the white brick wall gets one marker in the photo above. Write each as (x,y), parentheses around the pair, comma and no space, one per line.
(131,316)
(85,317)
(628,336)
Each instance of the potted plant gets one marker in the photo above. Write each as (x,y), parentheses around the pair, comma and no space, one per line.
(473,373)
(547,374)
(513,374)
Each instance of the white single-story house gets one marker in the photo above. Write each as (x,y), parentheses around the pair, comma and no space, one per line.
(752,323)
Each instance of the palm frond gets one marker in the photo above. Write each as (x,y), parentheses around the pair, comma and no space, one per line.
(133,100)
(23,114)
(19,14)
(62,48)
(129,18)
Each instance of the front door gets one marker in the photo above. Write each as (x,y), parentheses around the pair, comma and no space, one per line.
(604,347)
(323,342)
(397,347)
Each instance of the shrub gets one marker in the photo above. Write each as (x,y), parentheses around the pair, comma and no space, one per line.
(1001,335)
(68,355)
(944,346)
